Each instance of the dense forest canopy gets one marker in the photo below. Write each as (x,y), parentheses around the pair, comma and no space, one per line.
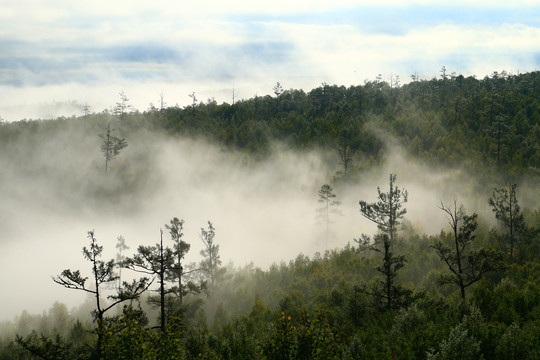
(267,254)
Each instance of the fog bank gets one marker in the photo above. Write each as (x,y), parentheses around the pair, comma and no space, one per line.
(54,190)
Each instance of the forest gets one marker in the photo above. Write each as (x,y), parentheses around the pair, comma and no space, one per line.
(456,279)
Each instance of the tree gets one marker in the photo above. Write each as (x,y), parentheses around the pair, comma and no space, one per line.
(278,90)
(386,213)
(329,206)
(466,266)
(120,257)
(86,109)
(122,106)
(505,205)
(180,249)
(345,155)
(102,273)
(193,103)
(386,292)
(162,102)
(154,261)
(111,146)
(210,253)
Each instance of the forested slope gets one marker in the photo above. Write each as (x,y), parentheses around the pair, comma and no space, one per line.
(397,293)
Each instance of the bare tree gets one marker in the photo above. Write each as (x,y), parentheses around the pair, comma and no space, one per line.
(193,103)
(466,266)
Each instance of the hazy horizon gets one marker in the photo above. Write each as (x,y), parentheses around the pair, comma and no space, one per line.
(64,53)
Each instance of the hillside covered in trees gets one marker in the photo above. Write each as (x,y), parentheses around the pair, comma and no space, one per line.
(392,291)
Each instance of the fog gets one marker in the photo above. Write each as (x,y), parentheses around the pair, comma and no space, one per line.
(54,190)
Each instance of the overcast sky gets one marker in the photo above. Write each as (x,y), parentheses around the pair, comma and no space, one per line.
(88,51)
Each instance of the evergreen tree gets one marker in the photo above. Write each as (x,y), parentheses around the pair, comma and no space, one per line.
(111,146)
(211,260)
(386,213)
(329,206)
(156,261)
(180,249)
(102,274)
(505,205)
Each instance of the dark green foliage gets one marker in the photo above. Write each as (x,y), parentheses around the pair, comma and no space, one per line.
(386,213)
(506,208)
(312,307)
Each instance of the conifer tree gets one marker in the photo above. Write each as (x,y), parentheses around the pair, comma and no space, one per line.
(111,146)
(211,260)
(102,274)
(505,205)
(386,213)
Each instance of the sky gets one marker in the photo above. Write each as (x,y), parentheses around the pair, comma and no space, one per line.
(58,55)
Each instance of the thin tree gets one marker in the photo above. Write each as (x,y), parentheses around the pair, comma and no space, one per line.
(387,293)
(122,106)
(505,205)
(102,274)
(155,261)
(278,90)
(211,260)
(466,265)
(120,257)
(329,206)
(111,146)
(180,249)
(193,103)
(86,109)
(386,213)
(162,102)
(346,156)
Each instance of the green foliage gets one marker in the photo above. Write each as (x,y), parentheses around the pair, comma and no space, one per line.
(313,308)
(127,338)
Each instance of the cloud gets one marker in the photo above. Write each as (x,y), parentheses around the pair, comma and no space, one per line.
(210,46)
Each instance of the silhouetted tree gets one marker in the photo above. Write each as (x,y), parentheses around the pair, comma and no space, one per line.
(278,90)
(154,261)
(387,293)
(180,249)
(466,265)
(111,146)
(102,273)
(386,213)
